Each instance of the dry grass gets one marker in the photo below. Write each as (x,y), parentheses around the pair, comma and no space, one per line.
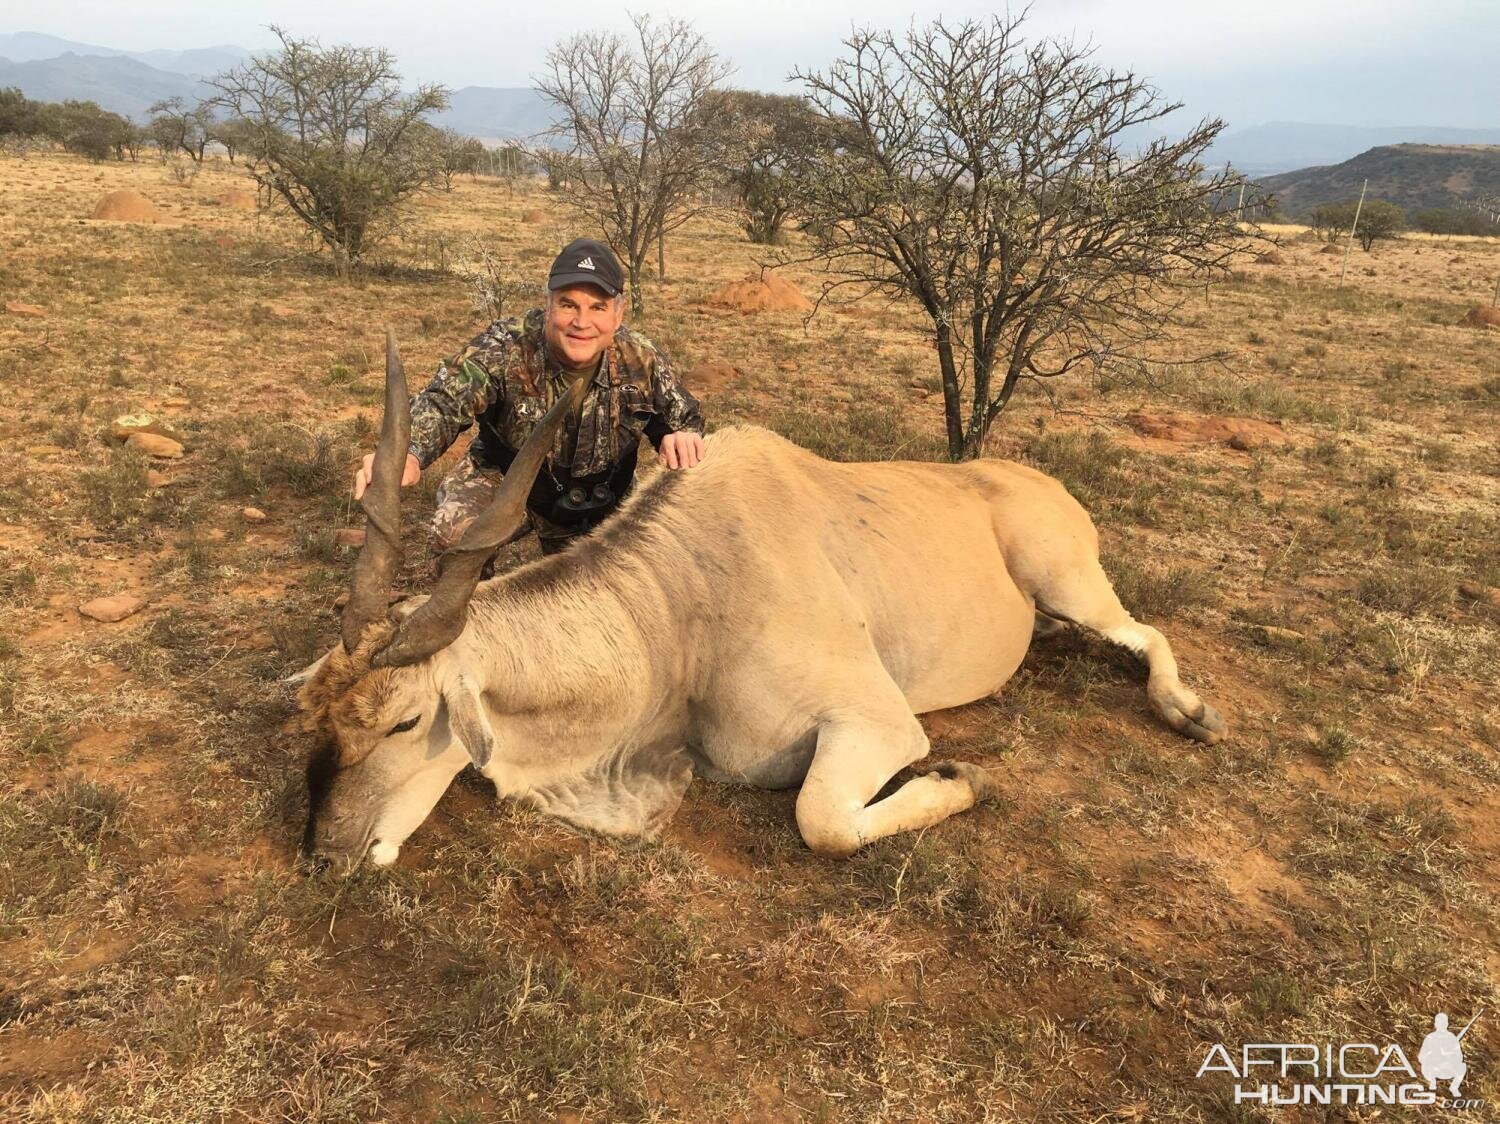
(1061,955)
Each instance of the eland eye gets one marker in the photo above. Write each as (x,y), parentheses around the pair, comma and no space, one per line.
(402,727)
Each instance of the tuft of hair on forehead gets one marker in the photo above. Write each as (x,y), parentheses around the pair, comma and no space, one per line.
(345,689)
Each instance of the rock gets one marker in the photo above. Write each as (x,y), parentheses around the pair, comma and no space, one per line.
(253,515)
(350,536)
(126,424)
(126,206)
(155,445)
(1270,633)
(21,308)
(112,609)
(156,479)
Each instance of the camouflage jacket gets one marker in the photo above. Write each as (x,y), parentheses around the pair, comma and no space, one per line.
(505,380)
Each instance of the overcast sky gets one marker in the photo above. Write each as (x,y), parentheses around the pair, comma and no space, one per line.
(1360,62)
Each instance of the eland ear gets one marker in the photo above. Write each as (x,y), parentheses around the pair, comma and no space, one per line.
(404,608)
(298,678)
(467,718)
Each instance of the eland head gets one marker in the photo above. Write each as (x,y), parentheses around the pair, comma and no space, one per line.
(393,718)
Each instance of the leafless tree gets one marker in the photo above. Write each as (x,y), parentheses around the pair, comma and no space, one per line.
(452,153)
(333,136)
(759,137)
(993,181)
(234,133)
(634,152)
(176,128)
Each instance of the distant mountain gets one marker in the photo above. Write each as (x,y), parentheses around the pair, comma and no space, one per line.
(47,68)
(496,112)
(200,62)
(33,46)
(1283,146)
(122,85)
(1415,177)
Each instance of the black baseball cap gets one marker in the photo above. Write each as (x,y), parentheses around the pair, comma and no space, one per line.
(585,261)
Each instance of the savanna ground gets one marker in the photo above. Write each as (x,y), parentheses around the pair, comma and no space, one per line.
(1327,874)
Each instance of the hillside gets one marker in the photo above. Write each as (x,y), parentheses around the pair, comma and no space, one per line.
(496,112)
(199,62)
(1286,146)
(1415,177)
(119,84)
(129,82)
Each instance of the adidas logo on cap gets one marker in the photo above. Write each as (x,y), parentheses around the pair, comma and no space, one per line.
(586,263)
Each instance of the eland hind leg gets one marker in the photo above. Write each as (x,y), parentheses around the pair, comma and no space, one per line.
(858,751)
(1082,595)
(1052,554)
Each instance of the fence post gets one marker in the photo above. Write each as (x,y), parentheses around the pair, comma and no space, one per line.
(1349,245)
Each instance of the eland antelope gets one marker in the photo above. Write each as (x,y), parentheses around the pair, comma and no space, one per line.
(769,617)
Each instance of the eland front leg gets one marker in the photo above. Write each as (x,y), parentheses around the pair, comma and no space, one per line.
(858,751)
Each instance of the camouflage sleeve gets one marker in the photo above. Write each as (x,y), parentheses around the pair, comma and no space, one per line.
(676,408)
(462,389)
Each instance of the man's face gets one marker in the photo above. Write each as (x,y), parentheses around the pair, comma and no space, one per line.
(581,320)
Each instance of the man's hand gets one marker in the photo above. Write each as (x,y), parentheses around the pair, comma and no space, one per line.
(681,450)
(362,477)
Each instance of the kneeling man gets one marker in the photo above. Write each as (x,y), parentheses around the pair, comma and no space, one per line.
(512,373)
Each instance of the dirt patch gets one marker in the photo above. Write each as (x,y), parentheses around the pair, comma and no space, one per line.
(126,206)
(1483,316)
(1210,429)
(711,378)
(760,292)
